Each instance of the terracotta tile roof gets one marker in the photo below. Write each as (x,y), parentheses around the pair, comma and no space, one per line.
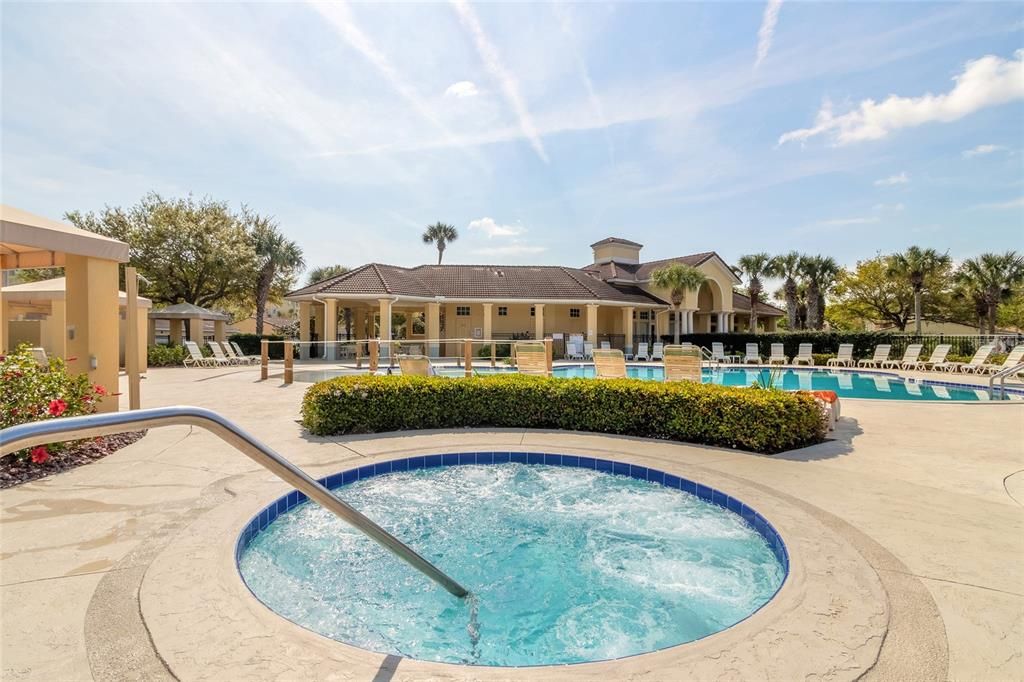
(530,282)
(615,240)
(742,303)
(639,272)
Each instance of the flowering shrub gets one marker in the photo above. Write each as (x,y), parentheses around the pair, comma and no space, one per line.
(29,393)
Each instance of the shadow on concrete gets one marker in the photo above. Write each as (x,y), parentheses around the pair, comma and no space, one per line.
(839,444)
(387,668)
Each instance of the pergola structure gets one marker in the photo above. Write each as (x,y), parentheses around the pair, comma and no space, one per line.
(180,313)
(90,263)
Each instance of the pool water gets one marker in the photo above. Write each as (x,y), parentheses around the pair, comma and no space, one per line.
(565,565)
(845,384)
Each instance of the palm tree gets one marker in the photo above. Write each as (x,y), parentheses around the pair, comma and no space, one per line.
(991,278)
(754,266)
(277,255)
(678,278)
(324,272)
(820,273)
(916,265)
(787,268)
(440,234)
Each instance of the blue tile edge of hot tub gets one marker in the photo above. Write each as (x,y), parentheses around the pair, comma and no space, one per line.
(294,498)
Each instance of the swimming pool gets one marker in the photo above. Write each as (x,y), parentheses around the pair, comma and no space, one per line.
(846,384)
(569,559)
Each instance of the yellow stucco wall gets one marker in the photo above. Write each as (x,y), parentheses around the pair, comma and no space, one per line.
(92,313)
(619,252)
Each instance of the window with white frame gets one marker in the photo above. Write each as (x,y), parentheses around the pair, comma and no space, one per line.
(502,311)
(462,310)
(644,314)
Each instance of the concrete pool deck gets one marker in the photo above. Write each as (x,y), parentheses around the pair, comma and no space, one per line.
(928,495)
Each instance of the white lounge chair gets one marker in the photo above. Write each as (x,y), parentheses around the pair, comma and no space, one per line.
(718,351)
(588,351)
(881,355)
(605,345)
(753,355)
(804,355)
(241,358)
(254,359)
(573,351)
(39,355)
(219,357)
(976,363)
(937,361)
(844,358)
(641,352)
(195,356)
(778,356)
(910,355)
(658,352)
(1013,358)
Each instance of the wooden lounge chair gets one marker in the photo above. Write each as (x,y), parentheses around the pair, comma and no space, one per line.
(976,363)
(804,355)
(778,356)
(881,355)
(910,355)
(416,366)
(682,363)
(195,356)
(937,361)
(531,357)
(752,356)
(658,352)
(219,357)
(610,364)
(844,358)
(1013,358)
(641,351)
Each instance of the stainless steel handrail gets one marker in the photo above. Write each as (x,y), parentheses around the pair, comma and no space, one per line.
(73,428)
(1001,375)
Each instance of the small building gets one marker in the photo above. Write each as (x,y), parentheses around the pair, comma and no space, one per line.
(186,321)
(610,299)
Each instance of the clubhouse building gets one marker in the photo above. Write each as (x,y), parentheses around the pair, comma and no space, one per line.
(612,299)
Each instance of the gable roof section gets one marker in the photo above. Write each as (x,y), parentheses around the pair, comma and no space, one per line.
(742,303)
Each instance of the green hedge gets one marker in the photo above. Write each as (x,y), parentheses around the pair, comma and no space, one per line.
(166,356)
(765,421)
(250,344)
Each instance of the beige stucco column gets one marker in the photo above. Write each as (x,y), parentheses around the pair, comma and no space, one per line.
(93,320)
(771,324)
(359,323)
(58,323)
(385,326)
(151,332)
(177,331)
(305,312)
(538,321)
(3,325)
(627,328)
(142,325)
(488,309)
(688,316)
(592,322)
(195,330)
(220,330)
(433,330)
(331,327)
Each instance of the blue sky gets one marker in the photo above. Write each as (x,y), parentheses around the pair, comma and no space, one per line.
(832,128)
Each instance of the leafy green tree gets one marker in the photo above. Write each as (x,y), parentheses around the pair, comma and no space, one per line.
(991,279)
(871,292)
(33,275)
(440,235)
(191,250)
(277,259)
(678,278)
(324,272)
(754,266)
(787,268)
(916,265)
(820,273)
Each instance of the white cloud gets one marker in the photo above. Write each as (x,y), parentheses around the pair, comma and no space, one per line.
(889,207)
(982,149)
(900,179)
(1013,203)
(766,33)
(840,222)
(509,85)
(985,82)
(492,229)
(462,89)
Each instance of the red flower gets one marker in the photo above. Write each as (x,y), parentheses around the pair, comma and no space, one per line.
(57,407)
(99,390)
(40,455)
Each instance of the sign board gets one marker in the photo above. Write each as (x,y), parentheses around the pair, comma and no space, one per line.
(478,332)
(558,336)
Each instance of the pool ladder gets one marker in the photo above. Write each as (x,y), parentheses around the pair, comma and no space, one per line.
(1001,375)
(74,428)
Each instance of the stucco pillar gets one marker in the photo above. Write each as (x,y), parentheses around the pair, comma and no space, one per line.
(143,323)
(627,329)
(59,342)
(331,328)
(177,331)
(433,330)
(385,326)
(359,323)
(151,332)
(592,323)
(220,330)
(195,330)
(93,319)
(771,324)
(305,312)
(538,321)
(3,325)
(488,308)
(690,320)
